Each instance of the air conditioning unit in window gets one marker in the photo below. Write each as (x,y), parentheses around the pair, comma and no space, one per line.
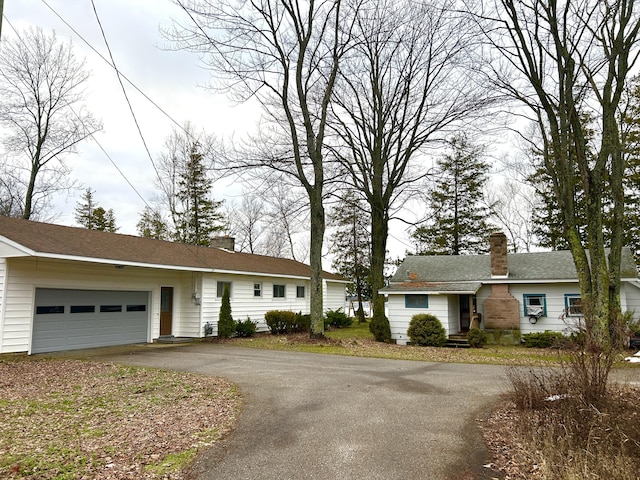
(534,313)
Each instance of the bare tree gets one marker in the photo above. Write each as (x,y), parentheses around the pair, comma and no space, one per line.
(512,206)
(568,62)
(285,54)
(404,86)
(246,222)
(41,93)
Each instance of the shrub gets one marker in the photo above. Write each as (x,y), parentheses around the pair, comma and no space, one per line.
(425,329)
(303,323)
(380,328)
(546,339)
(337,319)
(281,321)
(477,338)
(246,329)
(226,325)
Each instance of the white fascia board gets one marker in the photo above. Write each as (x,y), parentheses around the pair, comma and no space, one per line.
(257,274)
(511,281)
(108,261)
(9,248)
(428,292)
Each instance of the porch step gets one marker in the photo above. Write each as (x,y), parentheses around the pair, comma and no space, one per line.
(172,339)
(458,340)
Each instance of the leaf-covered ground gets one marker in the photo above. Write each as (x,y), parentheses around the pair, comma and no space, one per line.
(70,419)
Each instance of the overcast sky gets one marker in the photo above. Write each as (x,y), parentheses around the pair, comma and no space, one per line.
(172,79)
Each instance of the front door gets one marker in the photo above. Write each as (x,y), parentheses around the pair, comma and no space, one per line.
(465,312)
(166,311)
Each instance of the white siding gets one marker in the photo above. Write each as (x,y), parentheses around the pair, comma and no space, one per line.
(24,275)
(243,302)
(3,287)
(399,316)
(334,295)
(453,325)
(630,299)
(554,296)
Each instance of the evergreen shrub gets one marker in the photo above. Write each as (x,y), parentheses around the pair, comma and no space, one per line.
(247,328)
(477,338)
(426,330)
(226,324)
(337,319)
(379,327)
(546,339)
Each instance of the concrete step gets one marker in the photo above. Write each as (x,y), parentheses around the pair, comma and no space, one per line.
(458,341)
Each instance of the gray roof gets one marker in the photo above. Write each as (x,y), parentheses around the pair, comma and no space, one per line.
(434,270)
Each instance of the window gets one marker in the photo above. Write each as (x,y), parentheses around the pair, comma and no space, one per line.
(299,292)
(416,301)
(220,288)
(136,308)
(49,310)
(257,289)
(83,308)
(110,308)
(573,304)
(535,304)
(278,291)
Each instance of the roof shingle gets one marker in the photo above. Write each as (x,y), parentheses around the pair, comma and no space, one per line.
(45,239)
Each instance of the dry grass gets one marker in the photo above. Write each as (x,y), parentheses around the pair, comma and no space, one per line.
(69,419)
(549,429)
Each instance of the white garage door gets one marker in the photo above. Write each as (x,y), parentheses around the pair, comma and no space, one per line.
(72,319)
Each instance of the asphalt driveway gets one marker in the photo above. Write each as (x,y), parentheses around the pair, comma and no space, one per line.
(312,416)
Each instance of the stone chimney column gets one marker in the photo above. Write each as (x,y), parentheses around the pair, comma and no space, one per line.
(498,250)
(226,242)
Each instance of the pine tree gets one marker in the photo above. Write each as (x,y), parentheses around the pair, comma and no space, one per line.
(151,225)
(351,247)
(199,215)
(458,225)
(92,216)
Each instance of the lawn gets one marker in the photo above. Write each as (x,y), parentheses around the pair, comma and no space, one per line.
(71,419)
(358,341)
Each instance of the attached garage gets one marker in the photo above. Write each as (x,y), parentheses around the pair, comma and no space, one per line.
(73,319)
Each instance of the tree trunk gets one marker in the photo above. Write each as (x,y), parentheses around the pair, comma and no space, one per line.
(315,261)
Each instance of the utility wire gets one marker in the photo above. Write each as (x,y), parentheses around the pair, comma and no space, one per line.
(93,135)
(120,74)
(124,90)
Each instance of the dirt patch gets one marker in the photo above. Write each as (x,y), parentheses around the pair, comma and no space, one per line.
(73,419)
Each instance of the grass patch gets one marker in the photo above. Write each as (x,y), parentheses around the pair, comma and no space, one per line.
(106,421)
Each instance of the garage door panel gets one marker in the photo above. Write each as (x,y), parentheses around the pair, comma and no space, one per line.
(72,319)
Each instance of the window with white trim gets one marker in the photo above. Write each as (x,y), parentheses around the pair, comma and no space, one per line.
(300,291)
(257,289)
(220,288)
(573,304)
(278,291)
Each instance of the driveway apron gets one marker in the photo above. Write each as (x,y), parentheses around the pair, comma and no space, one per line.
(313,416)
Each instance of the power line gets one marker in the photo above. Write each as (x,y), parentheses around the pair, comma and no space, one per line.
(124,90)
(175,122)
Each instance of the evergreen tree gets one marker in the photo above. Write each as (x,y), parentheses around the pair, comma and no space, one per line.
(226,324)
(351,247)
(199,215)
(92,216)
(458,225)
(152,225)
(104,220)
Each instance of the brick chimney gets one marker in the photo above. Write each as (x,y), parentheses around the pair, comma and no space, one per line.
(498,250)
(226,242)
